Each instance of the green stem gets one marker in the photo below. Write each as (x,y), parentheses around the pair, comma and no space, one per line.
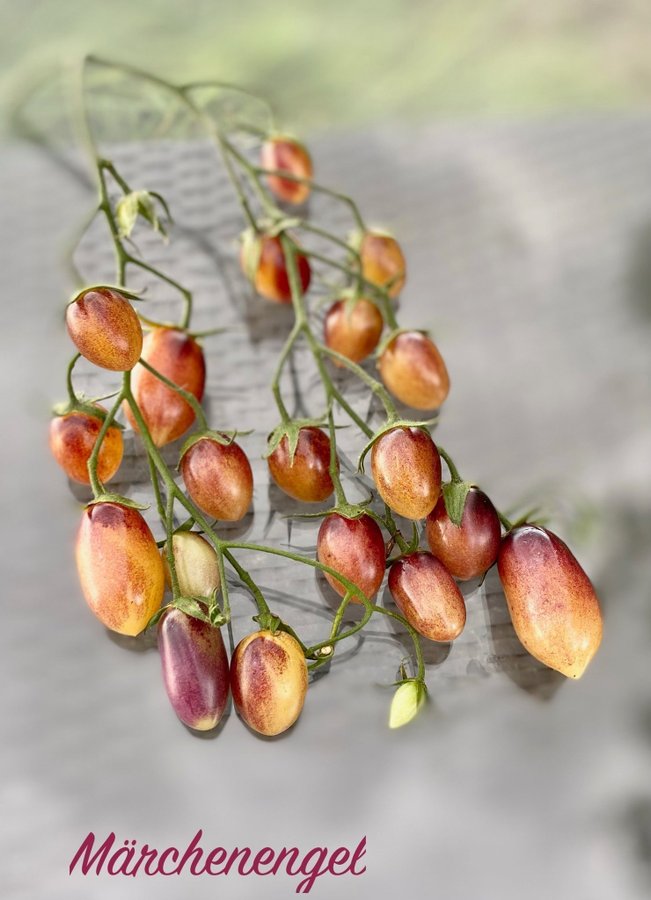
(95,483)
(418,650)
(454,472)
(72,396)
(376,387)
(261,603)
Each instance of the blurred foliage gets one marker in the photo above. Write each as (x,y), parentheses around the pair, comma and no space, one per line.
(358,61)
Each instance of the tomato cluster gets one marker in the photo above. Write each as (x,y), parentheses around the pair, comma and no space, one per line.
(124,572)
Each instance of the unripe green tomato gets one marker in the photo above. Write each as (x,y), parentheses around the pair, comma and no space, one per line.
(269,681)
(195,562)
(119,566)
(105,329)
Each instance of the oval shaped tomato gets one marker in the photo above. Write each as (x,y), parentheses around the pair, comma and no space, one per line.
(218,478)
(470,549)
(180,358)
(553,605)
(406,468)
(72,439)
(287,155)
(307,477)
(428,597)
(383,262)
(195,561)
(353,329)
(119,566)
(105,329)
(271,279)
(414,371)
(269,681)
(354,547)
(195,669)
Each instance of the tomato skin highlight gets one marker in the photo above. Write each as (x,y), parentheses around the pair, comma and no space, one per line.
(271,279)
(72,438)
(413,369)
(195,562)
(269,681)
(218,478)
(383,262)
(353,330)
(307,478)
(428,597)
(553,605)
(180,358)
(354,547)
(119,567)
(289,156)
(406,468)
(470,549)
(104,327)
(195,668)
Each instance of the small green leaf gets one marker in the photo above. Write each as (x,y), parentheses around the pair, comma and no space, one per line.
(192,607)
(454,495)
(138,203)
(406,702)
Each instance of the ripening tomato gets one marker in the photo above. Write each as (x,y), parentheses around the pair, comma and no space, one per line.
(180,358)
(383,263)
(195,562)
(271,279)
(72,439)
(406,468)
(470,549)
(119,566)
(287,155)
(105,329)
(428,597)
(269,681)
(414,371)
(353,328)
(218,478)
(354,547)
(307,477)
(195,669)
(553,605)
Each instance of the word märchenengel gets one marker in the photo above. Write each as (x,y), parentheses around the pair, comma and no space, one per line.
(126,859)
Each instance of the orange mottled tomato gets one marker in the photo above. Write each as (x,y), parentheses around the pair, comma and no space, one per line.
(553,605)
(269,681)
(428,596)
(72,439)
(406,468)
(180,358)
(270,278)
(353,328)
(307,477)
(414,371)
(218,478)
(287,155)
(383,263)
(105,329)
(119,566)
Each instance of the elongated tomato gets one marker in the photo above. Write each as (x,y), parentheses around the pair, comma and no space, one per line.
(105,329)
(553,605)
(428,596)
(119,566)
(178,357)
(195,669)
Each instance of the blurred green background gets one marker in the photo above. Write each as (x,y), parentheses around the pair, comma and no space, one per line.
(343,61)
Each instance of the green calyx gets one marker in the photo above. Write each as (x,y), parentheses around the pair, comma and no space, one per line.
(141,204)
(108,497)
(291,430)
(454,497)
(115,288)
(225,438)
(83,407)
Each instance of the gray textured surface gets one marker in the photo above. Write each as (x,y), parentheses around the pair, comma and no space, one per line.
(528,249)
